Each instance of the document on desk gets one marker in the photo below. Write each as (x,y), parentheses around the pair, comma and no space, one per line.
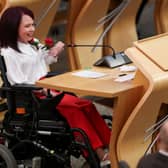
(89,74)
(128,68)
(126,77)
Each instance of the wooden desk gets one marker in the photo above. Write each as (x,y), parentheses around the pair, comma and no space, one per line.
(149,56)
(138,103)
(103,87)
(126,96)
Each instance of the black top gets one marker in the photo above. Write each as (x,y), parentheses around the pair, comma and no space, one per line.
(156,160)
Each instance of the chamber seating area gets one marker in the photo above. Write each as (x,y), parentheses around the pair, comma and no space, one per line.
(126,26)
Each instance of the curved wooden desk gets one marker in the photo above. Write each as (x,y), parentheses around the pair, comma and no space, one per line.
(137,103)
(149,56)
(103,87)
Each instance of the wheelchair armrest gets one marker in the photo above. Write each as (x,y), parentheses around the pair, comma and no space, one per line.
(15,87)
(53,73)
(29,87)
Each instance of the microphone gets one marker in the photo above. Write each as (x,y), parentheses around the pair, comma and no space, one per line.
(111,61)
(92,45)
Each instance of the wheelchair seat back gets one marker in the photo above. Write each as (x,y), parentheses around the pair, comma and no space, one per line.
(25,109)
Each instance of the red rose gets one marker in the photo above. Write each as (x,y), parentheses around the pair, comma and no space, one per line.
(49,42)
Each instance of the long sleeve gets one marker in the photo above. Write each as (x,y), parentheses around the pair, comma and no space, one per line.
(44,54)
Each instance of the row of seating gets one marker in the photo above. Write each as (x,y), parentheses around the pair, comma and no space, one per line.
(81,29)
(87,25)
(82,20)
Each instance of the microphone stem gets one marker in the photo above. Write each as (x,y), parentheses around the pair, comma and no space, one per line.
(90,45)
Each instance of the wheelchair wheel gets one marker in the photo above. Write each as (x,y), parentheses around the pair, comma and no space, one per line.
(7,159)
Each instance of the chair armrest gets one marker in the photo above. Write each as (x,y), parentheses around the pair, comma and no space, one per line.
(20,87)
(25,86)
(53,73)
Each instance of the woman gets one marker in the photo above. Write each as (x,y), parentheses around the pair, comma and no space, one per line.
(27,64)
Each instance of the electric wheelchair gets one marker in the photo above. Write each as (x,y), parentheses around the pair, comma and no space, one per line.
(33,128)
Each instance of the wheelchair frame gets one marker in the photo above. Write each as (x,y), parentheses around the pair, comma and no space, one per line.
(25,130)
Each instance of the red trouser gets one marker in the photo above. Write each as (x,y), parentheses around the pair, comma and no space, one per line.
(81,113)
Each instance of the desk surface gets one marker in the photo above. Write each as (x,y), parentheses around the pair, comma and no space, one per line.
(103,86)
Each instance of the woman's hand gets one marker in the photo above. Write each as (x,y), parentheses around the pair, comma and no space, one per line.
(57,49)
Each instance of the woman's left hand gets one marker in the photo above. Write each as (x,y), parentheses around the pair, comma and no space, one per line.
(57,49)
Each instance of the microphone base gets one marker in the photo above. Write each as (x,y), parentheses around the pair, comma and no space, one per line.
(111,62)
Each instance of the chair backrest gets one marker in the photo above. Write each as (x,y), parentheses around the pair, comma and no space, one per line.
(3,5)
(83,31)
(44,11)
(17,99)
(161,16)
(3,71)
(123,32)
(22,101)
(74,8)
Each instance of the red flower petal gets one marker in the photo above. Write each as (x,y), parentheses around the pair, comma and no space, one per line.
(49,42)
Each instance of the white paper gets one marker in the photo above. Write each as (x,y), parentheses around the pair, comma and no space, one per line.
(128,68)
(89,74)
(125,77)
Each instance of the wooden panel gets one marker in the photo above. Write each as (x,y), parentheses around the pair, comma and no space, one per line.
(155,48)
(73,11)
(84,32)
(131,145)
(123,32)
(3,5)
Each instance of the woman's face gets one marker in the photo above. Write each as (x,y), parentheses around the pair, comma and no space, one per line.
(26,29)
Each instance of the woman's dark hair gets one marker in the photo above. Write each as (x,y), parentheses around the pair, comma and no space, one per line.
(9,25)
